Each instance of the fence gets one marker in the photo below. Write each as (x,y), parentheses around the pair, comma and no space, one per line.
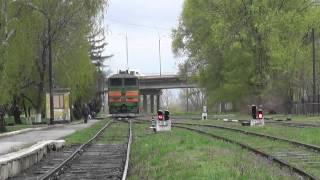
(306,108)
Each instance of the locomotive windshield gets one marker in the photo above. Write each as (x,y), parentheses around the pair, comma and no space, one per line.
(130,82)
(116,82)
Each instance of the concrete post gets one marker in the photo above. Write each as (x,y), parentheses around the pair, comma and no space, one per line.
(140,103)
(106,105)
(158,102)
(145,104)
(152,103)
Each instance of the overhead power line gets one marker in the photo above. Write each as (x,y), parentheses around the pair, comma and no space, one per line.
(139,25)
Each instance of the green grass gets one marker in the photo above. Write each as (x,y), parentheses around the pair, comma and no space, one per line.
(182,154)
(10,120)
(19,127)
(11,126)
(271,147)
(82,136)
(308,135)
(117,133)
(244,116)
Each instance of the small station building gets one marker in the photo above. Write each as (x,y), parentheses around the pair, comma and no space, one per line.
(61,104)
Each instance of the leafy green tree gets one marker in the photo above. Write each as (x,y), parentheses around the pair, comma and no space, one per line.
(62,25)
(8,14)
(245,47)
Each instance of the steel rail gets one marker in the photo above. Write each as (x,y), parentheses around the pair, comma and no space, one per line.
(52,174)
(309,146)
(126,167)
(293,124)
(261,153)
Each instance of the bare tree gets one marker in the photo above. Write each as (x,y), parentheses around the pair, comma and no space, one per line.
(193,99)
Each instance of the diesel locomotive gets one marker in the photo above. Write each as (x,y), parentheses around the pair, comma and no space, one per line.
(123,95)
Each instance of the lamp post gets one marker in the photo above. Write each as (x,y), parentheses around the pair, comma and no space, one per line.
(160,54)
(50,72)
(127,53)
(313,70)
(125,35)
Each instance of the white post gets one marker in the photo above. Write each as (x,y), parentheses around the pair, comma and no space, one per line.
(204,113)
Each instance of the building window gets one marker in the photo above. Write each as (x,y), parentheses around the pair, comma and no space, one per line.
(58,101)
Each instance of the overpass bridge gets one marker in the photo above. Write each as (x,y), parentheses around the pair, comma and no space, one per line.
(151,89)
(151,86)
(165,82)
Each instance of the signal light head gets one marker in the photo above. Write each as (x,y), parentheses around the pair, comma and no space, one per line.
(160,115)
(254,111)
(166,115)
(260,114)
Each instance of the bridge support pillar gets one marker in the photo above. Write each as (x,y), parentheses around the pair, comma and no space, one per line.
(158,102)
(152,103)
(145,104)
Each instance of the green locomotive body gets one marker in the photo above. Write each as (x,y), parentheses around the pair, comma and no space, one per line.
(123,95)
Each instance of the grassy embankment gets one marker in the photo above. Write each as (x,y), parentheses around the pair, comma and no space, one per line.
(82,136)
(247,116)
(308,135)
(274,148)
(182,154)
(116,133)
(11,126)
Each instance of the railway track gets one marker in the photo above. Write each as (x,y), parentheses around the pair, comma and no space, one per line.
(303,159)
(92,160)
(293,124)
(267,121)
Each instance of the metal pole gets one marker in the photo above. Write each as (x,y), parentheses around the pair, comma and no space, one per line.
(160,54)
(314,70)
(127,53)
(318,101)
(187,99)
(50,72)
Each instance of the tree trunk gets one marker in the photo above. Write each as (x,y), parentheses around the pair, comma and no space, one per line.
(16,110)
(24,109)
(2,120)
(41,65)
(39,103)
(2,125)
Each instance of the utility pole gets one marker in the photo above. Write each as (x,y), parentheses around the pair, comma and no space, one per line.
(186,68)
(314,70)
(50,72)
(160,54)
(187,99)
(127,53)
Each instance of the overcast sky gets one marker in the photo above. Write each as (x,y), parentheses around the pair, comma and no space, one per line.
(143,21)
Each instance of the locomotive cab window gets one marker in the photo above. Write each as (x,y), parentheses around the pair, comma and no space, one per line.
(130,82)
(116,82)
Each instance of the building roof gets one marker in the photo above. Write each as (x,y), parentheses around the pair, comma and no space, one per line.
(123,76)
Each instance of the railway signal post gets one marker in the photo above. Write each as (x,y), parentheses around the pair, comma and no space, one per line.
(257,116)
(204,115)
(163,122)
